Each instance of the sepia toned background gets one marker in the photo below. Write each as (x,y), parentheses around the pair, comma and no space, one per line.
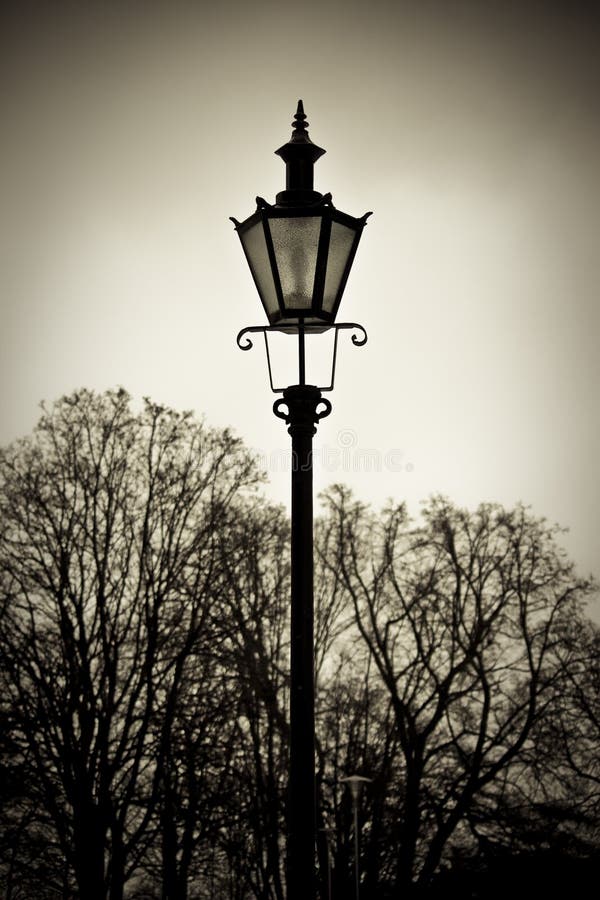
(132,131)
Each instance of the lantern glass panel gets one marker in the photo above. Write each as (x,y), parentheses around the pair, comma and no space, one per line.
(296,242)
(255,245)
(340,247)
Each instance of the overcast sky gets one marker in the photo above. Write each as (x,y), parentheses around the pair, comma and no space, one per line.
(130,134)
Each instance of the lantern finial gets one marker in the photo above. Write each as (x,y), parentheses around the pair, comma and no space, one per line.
(299,156)
(300,124)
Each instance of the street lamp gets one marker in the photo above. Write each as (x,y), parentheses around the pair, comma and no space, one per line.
(300,251)
(356,784)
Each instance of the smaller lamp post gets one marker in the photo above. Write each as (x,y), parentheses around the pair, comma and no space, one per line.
(326,832)
(356,783)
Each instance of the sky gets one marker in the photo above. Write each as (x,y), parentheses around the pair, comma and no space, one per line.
(132,131)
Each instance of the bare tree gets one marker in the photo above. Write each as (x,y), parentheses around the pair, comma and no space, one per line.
(254,614)
(563,760)
(460,617)
(576,727)
(144,660)
(107,557)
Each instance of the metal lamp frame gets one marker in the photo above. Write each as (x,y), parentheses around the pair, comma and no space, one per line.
(302,329)
(325,211)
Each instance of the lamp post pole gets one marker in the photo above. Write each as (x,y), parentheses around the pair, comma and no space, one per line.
(302,416)
(300,252)
(302,799)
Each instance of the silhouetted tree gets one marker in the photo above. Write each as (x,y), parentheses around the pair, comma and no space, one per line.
(108,554)
(253,607)
(461,616)
(576,728)
(144,664)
